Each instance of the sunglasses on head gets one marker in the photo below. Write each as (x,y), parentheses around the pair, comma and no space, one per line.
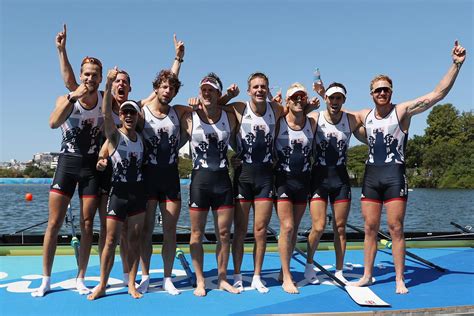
(128,111)
(382,89)
(91,60)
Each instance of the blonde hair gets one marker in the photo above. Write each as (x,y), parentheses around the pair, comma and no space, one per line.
(379,78)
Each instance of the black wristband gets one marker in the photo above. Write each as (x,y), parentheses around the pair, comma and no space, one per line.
(71,99)
(179,59)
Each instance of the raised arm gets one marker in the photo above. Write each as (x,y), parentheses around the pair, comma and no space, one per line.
(179,48)
(66,70)
(64,106)
(111,131)
(423,103)
(232,92)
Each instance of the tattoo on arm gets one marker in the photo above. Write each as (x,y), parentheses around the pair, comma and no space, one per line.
(420,106)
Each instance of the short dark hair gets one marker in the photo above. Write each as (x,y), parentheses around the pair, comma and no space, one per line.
(257,75)
(167,75)
(126,74)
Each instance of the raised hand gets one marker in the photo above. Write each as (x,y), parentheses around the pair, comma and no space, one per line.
(233,90)
(458,53)
(195,103)
(112,74)
(61,39)
(314,102)
(179,47)
(318,87)
(278,97)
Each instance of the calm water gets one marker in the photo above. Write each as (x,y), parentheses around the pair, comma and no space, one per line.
(428,210)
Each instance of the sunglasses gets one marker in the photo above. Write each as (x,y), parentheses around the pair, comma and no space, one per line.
(91,60)
(128,111)
(382,89)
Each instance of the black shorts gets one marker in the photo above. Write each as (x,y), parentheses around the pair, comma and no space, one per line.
(253,183)
(383,184)
(162,183)
(125,200)
(292,187)
(330,183)
(210,189)
(105,178)
(75,170)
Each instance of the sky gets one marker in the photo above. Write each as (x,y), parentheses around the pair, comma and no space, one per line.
(349,41)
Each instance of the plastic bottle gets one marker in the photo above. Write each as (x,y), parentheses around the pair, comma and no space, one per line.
(317,76)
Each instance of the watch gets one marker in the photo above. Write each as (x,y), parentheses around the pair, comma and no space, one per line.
(71,99)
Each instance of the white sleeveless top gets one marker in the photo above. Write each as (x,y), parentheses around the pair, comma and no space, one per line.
(256,135)
(332,141)
(161,137)
(209,143)
(81,132)
(293,147)
(387,142)
(127,160)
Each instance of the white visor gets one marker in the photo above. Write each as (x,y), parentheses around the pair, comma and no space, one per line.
(333,90)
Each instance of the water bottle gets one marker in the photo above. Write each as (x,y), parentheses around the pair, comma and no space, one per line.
(317,76)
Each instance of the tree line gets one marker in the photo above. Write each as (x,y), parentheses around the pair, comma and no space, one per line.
(442,158)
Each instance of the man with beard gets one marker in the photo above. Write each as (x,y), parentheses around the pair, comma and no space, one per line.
(161,131)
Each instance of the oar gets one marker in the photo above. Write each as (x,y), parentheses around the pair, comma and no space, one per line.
(439,236)
(185,264)
(363,296)
(388,244)
(29,227)
(465,229)
(74,240)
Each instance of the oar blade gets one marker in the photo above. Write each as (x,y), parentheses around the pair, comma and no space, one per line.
(365,297)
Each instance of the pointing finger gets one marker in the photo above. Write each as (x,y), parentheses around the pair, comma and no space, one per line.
(175,39)
(64,28)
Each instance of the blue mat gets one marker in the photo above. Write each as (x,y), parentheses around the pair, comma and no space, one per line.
(428,288)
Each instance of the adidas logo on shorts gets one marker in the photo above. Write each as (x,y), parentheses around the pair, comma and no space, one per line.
(240,196)
(284,195)
(316,195)
(57,186)
(194,205)
(111,212)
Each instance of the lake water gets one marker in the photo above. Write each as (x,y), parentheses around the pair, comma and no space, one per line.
(428,210)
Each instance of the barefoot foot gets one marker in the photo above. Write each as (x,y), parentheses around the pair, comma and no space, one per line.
(225,286)
(99,291)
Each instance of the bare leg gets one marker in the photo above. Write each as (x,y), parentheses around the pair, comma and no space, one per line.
(395,218)
(241,222)
(146,246)
(103,198)
(88,209)
(223,218)
(371,211)
(318,223)
(285,243)
(57,211)
(124,252)
(340,214)
(114,228)
(170,214)
(262,215)
(198,226)
(135,228)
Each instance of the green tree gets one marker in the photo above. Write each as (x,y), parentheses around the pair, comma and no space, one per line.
(356,157)
(443,124)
